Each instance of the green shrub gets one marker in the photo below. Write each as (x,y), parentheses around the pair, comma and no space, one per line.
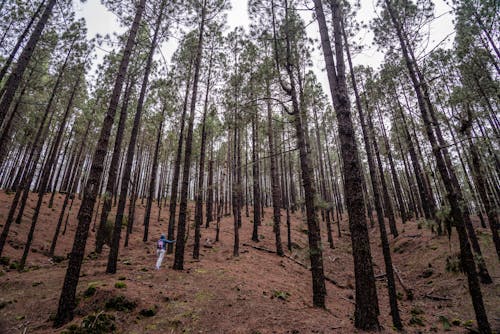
(454,263)
(283,295)
(91,290)
(14,265)
(120,285)
(99,323)
(120,303)
(149,312)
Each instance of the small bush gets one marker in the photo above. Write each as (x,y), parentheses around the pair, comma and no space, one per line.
(120,303)
(58,258)
(120,285)
(149,312)
(14,265)
(283,295)
(445,322)
(99,323)
(4,260)
(454,264)
(417,320)
(91,290)
(416,316)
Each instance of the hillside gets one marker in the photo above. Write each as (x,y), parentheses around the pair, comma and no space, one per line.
(258,292)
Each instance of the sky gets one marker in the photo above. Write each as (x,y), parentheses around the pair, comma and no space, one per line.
(101,21)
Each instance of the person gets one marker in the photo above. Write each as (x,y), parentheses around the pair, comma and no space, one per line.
(161,247)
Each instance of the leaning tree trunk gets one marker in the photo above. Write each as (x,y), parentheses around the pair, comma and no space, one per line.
(452,195)
(73,184)
(67,301)
(489,206)
(46,171)
(115,241)
(16,75)
(20,41)
(112,175)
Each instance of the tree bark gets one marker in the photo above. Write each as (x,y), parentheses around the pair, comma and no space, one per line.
(16,75)
(115,241)
(366,310)
(67,302)
(451,192)
(181,229)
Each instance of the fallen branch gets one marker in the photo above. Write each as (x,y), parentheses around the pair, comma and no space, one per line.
(408,291)
(413,235)
(331,280)
(261,248)
(438,298)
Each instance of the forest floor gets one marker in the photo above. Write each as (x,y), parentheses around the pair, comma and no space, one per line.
(257,292)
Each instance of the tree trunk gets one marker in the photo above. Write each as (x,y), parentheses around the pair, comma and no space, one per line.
(198,215)
(152,181)
(256,177)
(20,40)
(115,241)
(112,175)
(452,195)
(16,75)
(366,310)
(181,229)
(177,166)
(46,171)
(67,302)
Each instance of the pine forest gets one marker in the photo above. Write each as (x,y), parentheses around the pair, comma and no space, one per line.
(249,166)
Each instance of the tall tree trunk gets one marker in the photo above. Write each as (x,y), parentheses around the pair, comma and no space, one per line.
(385,191)
(67,300)
(112,175)
(491,209)
(452,195)
(15,77)
(255,177)
(366,309)
(115,241)
(391,285)
(70,193)
(275,191)
(198,214)
(46,171)
(210,189)
(177,166)
(299,121)
(20,41)
(395,178)
(181,229)
(152,181)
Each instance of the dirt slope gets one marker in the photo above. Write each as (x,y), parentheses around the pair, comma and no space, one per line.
(257,292)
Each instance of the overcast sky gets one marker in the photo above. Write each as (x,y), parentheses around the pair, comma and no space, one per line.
(101,21)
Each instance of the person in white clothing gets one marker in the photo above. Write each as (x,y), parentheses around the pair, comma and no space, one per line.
(161,247)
